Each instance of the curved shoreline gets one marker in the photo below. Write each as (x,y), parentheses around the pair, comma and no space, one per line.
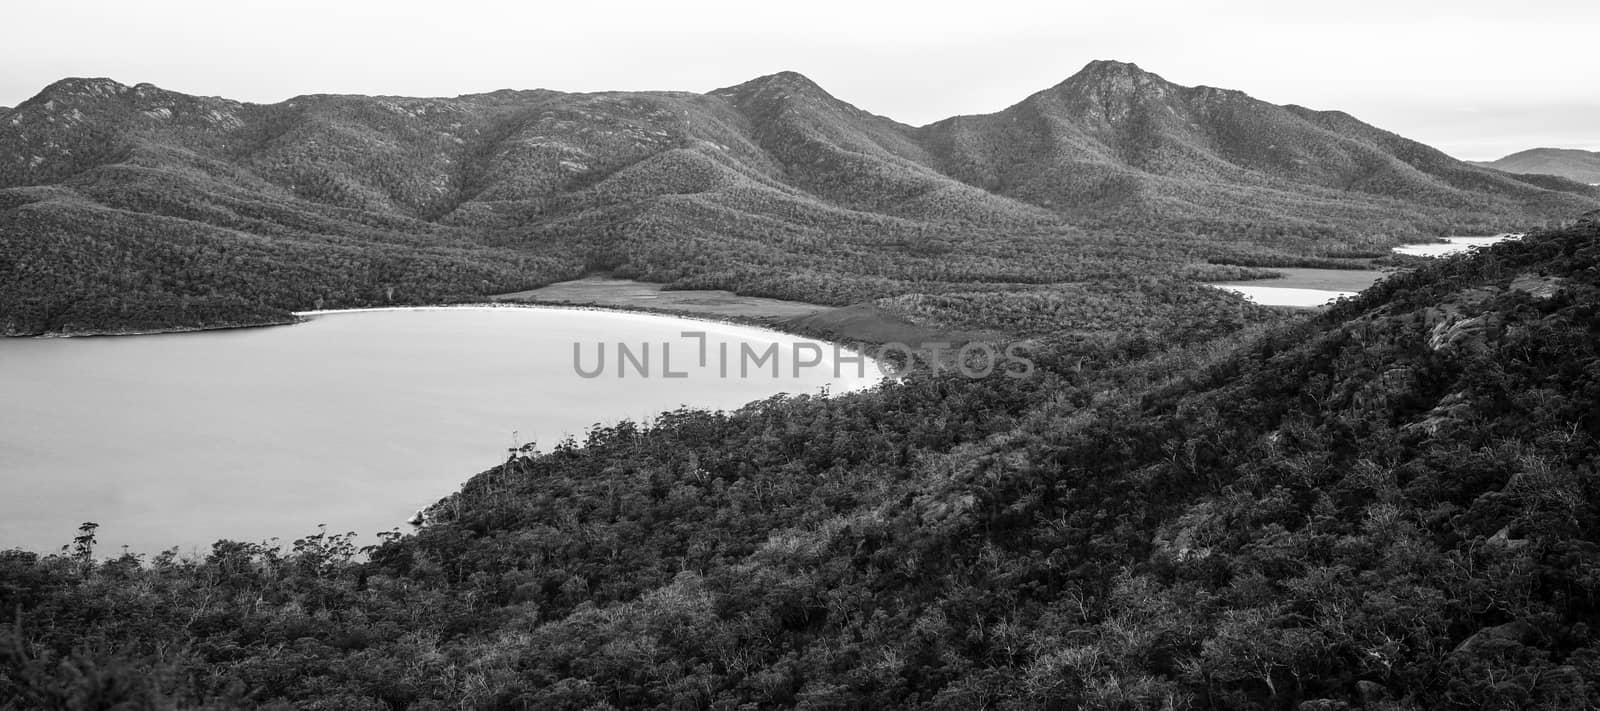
(851,349)
(856,349)
(171,330)
(297,317)
(838,348)
(429,434)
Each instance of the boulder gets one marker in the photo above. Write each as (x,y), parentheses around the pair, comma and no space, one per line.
(1511,634)
(1371,692)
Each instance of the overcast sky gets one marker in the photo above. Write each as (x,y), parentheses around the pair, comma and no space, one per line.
(1475,78)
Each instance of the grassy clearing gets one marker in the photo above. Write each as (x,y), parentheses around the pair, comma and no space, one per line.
(862,322)
(629,294)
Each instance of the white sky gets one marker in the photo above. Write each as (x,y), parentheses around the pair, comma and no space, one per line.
(1476,78)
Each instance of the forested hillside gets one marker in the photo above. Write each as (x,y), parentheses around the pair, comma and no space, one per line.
(134,208)
(1390,505)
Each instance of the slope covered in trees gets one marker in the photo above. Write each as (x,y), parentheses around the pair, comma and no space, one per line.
(1389,505)
(132,207)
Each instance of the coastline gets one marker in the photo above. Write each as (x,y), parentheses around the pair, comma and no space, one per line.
(170,330)
(854,349)
(773,326)
(303,316)
(729,313)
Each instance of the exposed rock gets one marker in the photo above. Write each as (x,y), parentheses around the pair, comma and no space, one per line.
(1511,634)
(1398,378)
(1503,539)
(1453,409)
(1540,287)
(1462,333)
(1371,692)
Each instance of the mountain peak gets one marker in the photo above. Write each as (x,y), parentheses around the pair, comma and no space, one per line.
(1103,66)
(73,93)
(789,78)
(786,81)
(1104,69)
(1110,75)
(96,87)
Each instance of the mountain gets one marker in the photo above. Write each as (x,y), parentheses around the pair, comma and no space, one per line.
(1582,166)
(126,207)
(1391,505)
(1117,143)
(136,208)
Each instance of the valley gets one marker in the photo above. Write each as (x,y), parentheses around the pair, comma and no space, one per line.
(1188,498)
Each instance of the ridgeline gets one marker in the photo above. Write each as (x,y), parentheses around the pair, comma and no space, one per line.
(132,208)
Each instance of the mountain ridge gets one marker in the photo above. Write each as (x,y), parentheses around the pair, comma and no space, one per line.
(772,187)
(1131,129)
(1104,93)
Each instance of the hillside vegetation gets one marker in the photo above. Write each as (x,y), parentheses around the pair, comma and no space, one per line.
(1390,505)
(136,208)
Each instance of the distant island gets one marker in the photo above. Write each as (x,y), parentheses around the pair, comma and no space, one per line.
(1582,166)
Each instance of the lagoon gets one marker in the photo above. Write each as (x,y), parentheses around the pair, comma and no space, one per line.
(1298,287)
(1286,296)
(1450,245)
(353,419)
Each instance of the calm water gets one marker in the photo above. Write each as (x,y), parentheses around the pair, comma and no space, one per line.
(1451,245)
(351,419)
(1287,296)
